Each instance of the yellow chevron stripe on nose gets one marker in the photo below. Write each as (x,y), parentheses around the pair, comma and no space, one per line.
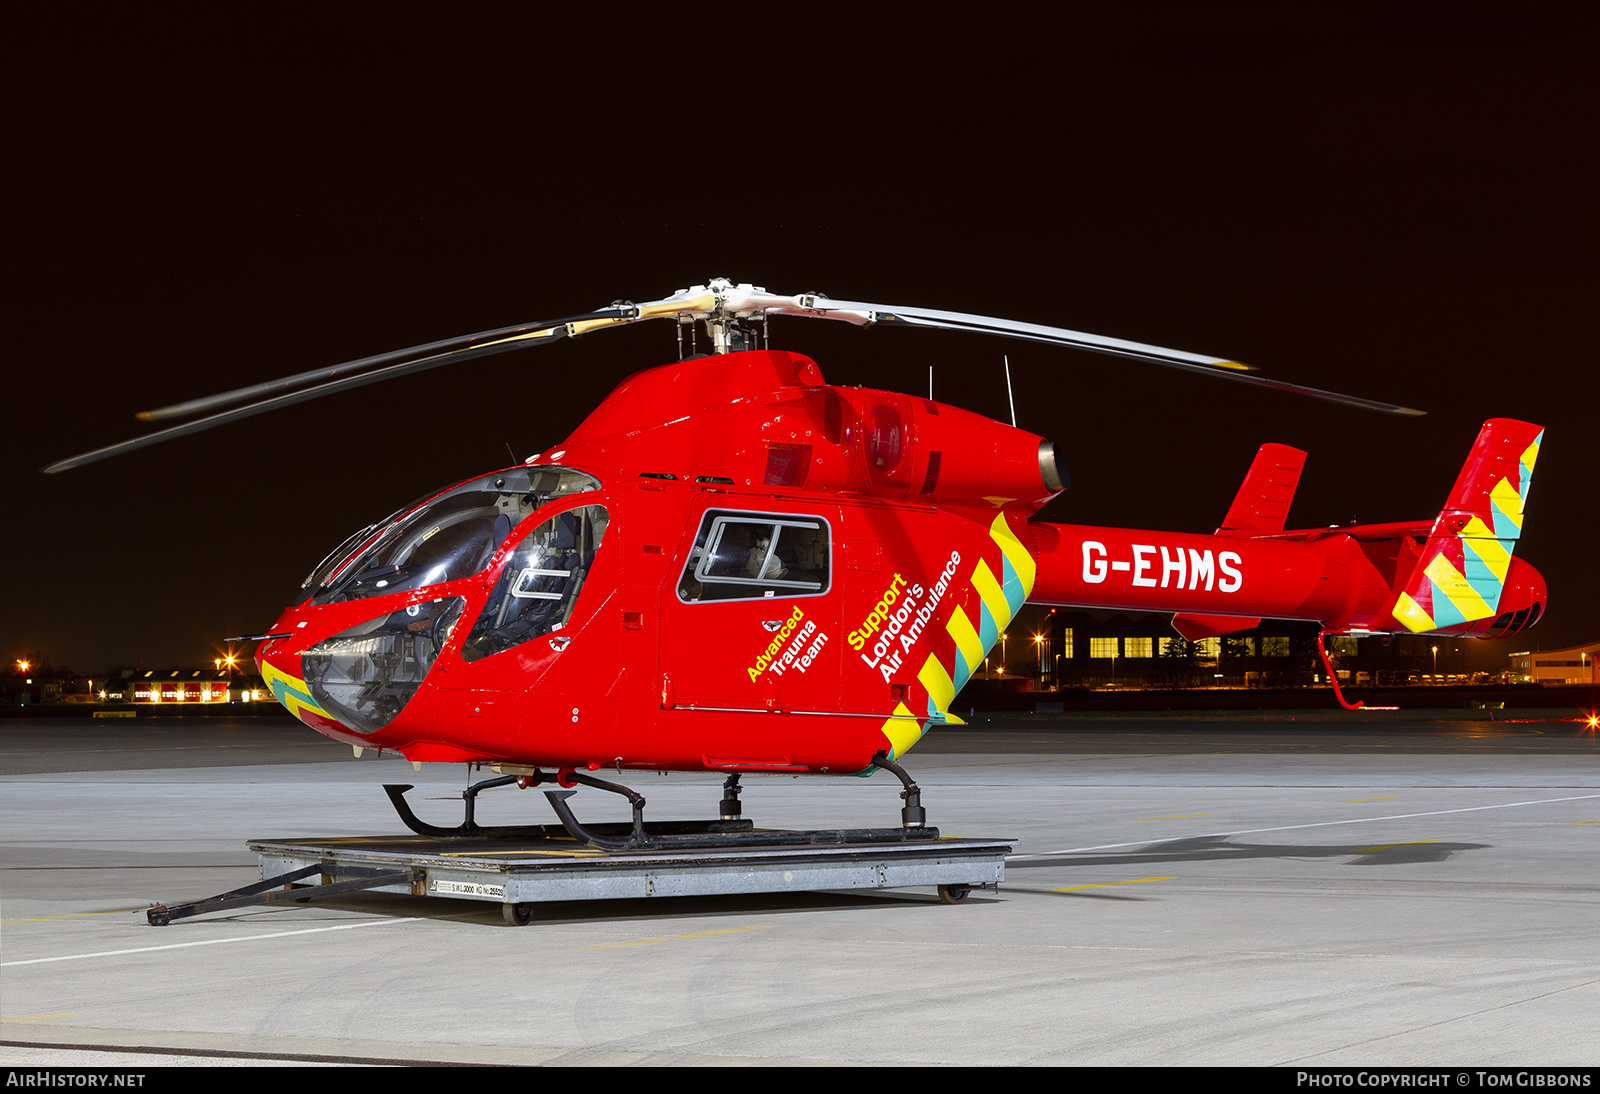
(291,691)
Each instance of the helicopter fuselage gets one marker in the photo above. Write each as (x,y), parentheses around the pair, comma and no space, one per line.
(732,565)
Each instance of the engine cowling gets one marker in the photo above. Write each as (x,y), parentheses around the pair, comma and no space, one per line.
(920,450)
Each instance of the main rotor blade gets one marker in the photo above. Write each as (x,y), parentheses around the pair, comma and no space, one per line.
(718,302)
(526,337)
(349,368)
(1116,347)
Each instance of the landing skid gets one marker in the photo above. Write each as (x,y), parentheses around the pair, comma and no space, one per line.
(471,830)
(728,832)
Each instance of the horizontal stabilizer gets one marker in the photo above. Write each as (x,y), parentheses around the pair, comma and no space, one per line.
(1462,569)
(1405,529)
(1196,627)
(1262,504)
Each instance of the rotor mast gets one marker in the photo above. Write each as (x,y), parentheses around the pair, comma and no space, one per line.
(728,310)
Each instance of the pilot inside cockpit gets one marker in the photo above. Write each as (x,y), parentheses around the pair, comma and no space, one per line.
(540,582)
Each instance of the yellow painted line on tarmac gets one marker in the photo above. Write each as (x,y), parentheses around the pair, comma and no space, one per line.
(36,1017)
(1353,801)
(1389,846)
(1108,884)
(1180,816)
(671,938)
(1584,822)
(72,915)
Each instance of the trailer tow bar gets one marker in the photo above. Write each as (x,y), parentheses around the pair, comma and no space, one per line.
(279,889)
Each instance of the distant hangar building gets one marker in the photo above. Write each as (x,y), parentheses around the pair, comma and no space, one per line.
(1573,665)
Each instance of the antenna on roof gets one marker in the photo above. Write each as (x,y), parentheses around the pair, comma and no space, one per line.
(1009,397)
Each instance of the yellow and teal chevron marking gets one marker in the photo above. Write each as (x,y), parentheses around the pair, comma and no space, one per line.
(903,731)
(291,692)
(944,673)
(1465,573)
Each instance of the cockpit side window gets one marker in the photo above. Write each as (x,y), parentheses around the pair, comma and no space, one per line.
(536,591)
(748,556)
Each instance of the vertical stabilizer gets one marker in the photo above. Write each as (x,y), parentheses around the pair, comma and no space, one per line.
(1262,503)
(1462,570)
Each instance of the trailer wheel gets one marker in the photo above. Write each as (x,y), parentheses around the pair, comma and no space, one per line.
(518,915)
(954,894)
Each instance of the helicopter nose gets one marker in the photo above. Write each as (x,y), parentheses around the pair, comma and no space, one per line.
(280,669)
(360,679)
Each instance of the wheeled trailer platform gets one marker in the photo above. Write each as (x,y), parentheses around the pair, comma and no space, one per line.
(520,874)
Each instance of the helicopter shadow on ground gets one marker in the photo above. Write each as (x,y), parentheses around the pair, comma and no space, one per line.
(1222,849)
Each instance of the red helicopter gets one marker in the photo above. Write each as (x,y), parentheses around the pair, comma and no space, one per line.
(850,555)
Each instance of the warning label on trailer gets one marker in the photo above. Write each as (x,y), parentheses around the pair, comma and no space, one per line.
(466,888)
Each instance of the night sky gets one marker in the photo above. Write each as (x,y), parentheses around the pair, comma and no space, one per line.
(1397,201)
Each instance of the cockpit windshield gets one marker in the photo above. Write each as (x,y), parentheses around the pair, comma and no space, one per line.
(452,535)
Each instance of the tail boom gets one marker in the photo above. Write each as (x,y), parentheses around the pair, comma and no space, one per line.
(1332,579)
(1219,584)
